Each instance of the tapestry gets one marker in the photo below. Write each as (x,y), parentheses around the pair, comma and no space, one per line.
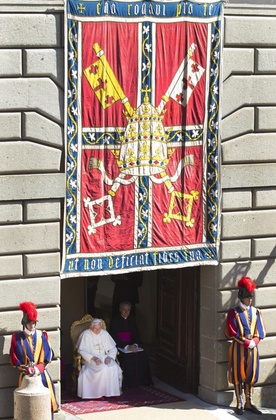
(142,135)
(131,397)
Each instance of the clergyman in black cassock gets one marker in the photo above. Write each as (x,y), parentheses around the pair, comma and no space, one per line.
(133,360)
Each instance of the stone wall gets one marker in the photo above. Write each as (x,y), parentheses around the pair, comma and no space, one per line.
(32,185)
(32,181)
(248,229)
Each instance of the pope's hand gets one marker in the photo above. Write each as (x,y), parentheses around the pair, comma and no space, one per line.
(96,360)
(132,348)
(107,360)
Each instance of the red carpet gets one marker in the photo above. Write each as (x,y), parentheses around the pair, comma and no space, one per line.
(132,397)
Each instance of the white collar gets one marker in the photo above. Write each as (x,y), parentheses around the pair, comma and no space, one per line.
(28,332)
(244,306)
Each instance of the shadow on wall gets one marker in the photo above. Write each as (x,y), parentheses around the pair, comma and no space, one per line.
(241,269)
(4,356)
(230,279)
(260,278)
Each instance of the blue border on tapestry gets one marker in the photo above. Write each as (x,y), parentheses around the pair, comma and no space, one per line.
(75,264)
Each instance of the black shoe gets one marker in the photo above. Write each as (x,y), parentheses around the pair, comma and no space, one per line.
(253,409)
(239,411)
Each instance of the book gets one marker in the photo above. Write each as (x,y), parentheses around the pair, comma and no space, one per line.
(129,351)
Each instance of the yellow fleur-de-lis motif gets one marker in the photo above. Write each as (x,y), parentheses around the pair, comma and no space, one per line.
(158,154)
(158,131)
(146,110)
(132,132)
(130,154)
(145,126)
(144,149)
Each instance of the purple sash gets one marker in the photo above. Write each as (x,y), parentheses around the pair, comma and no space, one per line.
(125,336)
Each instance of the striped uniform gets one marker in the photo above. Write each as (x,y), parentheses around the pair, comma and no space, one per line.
(37,349)
(241,327)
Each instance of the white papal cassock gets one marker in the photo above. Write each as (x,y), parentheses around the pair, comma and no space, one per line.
(102,380)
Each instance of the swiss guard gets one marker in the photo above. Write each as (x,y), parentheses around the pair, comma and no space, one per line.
(31,350)
(245,327)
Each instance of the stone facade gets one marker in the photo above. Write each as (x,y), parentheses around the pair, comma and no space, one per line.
(32,181)
(248,226)
(32,185)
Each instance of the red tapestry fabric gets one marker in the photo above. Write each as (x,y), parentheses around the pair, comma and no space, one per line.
(143,127)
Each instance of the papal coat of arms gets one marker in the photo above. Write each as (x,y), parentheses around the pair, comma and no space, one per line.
(143,129)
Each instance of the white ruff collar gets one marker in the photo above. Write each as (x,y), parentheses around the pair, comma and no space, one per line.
(244,306)
(28,332)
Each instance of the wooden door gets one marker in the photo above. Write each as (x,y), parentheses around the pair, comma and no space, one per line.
(177,358)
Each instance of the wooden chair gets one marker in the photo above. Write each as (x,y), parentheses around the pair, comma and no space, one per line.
(75,331)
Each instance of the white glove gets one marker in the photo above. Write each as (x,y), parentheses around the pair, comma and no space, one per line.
(252,344)
(37,371)
(30,371)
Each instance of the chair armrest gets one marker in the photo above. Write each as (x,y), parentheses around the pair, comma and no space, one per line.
(77,362)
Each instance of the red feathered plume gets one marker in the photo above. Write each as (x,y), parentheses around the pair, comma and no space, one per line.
(30,309)
(248,283)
